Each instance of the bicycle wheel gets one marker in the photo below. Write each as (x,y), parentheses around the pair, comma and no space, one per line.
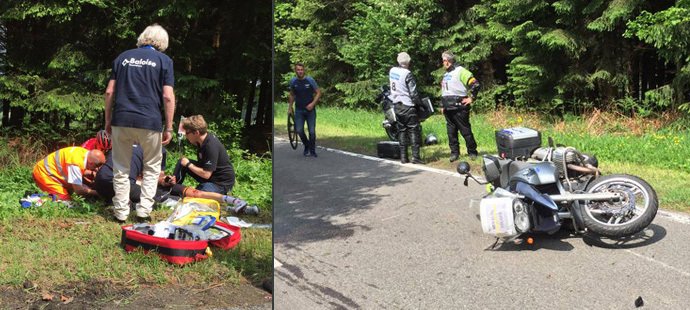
(291,131)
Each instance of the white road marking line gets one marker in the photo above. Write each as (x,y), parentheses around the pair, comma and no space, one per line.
(276,263)
(667,266)
(391,217)
(676,217)
(388,161)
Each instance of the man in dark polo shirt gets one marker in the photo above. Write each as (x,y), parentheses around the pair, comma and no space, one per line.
(305,93)
(139,105)
(212,169)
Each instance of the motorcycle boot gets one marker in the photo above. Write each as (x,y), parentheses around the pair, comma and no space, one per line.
(416,138)
(402,137)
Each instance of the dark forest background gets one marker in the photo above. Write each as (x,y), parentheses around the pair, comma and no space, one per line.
(55,60)
(557,57)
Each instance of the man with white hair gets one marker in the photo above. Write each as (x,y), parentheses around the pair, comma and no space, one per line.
(139,98)
(403,88)
(458,90)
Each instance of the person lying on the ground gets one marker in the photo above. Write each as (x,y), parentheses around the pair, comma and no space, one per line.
(166,185)
(61,173)
(103,181)
(239,205)
(101,142)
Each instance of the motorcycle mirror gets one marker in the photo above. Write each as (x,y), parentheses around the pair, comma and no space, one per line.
(463,168)
(465,183)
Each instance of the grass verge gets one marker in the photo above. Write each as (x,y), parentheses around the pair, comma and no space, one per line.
(53,245)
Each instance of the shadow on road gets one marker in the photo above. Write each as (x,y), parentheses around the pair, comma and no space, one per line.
(650,235)
(304,192)
(555,242)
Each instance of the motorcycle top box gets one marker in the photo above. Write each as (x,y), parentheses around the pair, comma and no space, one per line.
(516,142)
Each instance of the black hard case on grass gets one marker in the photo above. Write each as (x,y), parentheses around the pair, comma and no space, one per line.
(517,142)
(388,149)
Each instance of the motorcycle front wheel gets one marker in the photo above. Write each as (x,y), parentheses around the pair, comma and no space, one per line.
(392,133)
(633,213)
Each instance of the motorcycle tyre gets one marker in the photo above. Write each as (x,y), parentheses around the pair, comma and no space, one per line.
(628,229)
(392,132)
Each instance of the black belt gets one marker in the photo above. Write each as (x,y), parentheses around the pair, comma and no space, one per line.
(452,102)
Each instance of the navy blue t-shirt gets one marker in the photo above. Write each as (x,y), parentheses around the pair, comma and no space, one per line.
(303,90)
(103,183)
(140,75)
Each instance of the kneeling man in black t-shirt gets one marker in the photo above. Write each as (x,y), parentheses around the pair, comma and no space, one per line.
(212,169)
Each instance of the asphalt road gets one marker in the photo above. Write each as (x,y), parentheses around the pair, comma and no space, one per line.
(351,232)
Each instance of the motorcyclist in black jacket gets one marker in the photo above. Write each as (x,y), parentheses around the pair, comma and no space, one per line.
(403,88)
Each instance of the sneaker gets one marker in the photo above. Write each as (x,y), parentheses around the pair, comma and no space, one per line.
(453,157)
(238,205)
(251,210)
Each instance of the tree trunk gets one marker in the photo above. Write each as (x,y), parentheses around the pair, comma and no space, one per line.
(17,117)
(264,95)
(250,104)
(5,113)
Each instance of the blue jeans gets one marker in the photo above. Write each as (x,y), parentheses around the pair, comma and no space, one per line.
(204,185)
(302,115)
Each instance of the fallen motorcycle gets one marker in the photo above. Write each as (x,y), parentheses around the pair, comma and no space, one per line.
(534,189)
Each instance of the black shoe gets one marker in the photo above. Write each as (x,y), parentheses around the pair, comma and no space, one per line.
(119,221)
(306,152)
(453,157)
(313,154)
(139,219)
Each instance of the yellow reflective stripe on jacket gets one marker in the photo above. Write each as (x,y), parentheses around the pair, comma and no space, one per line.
(55,164)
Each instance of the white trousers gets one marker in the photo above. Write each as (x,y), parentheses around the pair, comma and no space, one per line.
(150,142)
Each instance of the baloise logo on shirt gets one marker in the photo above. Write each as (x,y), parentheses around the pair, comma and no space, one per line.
(138,62)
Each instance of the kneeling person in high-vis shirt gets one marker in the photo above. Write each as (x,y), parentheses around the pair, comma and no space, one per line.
(61,173)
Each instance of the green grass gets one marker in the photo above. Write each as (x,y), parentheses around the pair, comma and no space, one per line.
(53,245)
(658,154)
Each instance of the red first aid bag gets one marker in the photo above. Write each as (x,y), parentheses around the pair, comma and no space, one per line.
(178,252)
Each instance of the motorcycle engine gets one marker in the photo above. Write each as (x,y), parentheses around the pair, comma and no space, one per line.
(561,154)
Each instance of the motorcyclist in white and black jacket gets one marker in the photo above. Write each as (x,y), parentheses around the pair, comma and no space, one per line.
(403,88)
(458,90)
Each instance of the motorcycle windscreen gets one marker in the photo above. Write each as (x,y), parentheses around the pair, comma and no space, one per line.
(546,209)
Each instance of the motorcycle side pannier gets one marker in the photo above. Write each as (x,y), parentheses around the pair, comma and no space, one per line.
(388,149)
(517,142)
(425,110)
